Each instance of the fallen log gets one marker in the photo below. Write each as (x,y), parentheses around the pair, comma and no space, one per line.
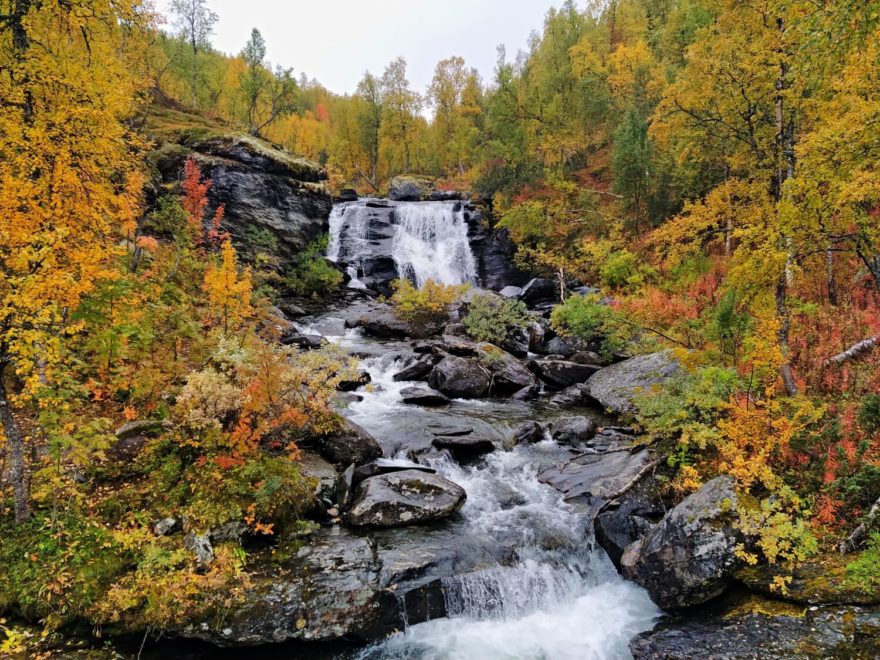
(853,351)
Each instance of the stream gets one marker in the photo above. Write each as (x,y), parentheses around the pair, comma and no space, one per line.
(521,574)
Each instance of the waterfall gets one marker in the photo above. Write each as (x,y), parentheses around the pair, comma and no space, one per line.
(431,242)
(378,240)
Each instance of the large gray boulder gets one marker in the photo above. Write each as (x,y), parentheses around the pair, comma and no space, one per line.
(572,430)
(410,188)
(350,444)
(404,498)
(616,387)
(460,378)
(690,557)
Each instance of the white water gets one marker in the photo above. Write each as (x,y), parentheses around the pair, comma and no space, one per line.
(430,240)
(555,598)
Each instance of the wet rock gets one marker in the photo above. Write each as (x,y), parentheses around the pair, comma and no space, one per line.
(540,290)
(422,396)
(464,447)
(404,498)
(385,466)
(351,444)
(570,396)
(380,321)
(617,386)
(305,342)
(536,333)
(572,430)
(456,345)
(451,431)
(417,369)
(348,195)
(363,378)
(165,526)
(345,486)
(562,373)
(527,433)
(200,546)
(459,378)
(765,630)
(508,375)
(328,591)
(312,465)
(690,558)
(595,475)
(620,526)
(559,346)
(526,393)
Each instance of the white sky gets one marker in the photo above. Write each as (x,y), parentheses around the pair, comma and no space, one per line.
(335,41)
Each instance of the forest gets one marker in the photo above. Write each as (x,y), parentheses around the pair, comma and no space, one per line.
(694,176)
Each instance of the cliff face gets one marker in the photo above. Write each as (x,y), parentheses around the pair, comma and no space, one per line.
(269,194)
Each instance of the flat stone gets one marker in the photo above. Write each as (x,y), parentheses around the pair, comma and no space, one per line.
(404,498)
(422,396)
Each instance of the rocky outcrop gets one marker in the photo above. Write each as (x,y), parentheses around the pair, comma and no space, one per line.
(419,368)
(328,591)
(410,188)
(463,447)
(616,387)
(690,557)
(404,498)
(563,373)
(508,375)
(540,290)
(274,201)
(768,630)
(422,396)
(596,475)
(459,378)
(526,433)
(350,444)
(623,524)
(381,321)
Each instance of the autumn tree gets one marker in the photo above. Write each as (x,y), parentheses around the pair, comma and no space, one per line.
(401,108)
(69,185)
(194,23)
(269,95)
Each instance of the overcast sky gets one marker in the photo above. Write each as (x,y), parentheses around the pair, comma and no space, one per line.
(335,41)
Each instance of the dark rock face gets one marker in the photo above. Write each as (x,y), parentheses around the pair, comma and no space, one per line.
(617,386)
(262,187)
(573,430)
(310,602)
(463,447)
(404,498)
(459,378)
(540,290)
(792,633)
(559,346)
(363,378)
(422,396)
(570,396)
(619,527)
(493,252)
(380,321)
(562,373)
(689,557)
(351,444)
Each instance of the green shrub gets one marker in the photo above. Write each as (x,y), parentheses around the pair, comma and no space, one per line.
(583,317)
(310,273)
(620,269)
(491,318)
(865,570)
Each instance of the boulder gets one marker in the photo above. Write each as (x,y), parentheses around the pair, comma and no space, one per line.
(380,321)
(200,546)
(617,386)
(572,430)
(417,369)
(508,374)
(303,341)
(459,378)
(690,557)
(165,526)
(422,396)
(620,526)
(363,378)
(559,346)
(570,396)
(526,433)
(511,292)
(463,447)
(385,466)
(350,444)
(766,629)
(410,188)
(404,498)
(562,373)
(595,475)
(451,431)
(540,290)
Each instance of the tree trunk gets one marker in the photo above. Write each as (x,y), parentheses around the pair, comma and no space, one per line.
(17,467)
(831,279)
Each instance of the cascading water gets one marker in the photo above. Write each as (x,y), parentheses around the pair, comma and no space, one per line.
(423,240)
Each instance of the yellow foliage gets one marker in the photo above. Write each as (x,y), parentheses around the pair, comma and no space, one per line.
(229,292)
